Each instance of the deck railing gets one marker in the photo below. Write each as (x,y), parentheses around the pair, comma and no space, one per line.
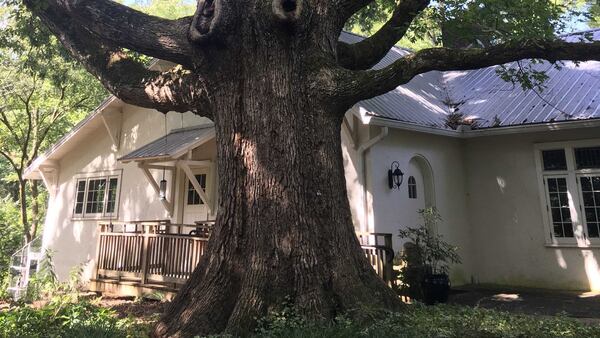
(23,265)
(150,252)
(380,253)
(161,253)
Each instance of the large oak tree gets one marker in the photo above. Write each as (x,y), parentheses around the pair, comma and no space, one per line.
(277,83)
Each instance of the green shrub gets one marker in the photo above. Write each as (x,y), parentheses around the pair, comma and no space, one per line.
(435,322)
(81,319)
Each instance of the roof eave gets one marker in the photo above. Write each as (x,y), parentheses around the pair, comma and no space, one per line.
(176,154)
(40,160)
(506,130)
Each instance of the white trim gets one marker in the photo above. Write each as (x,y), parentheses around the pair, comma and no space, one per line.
(99,173)
(580,239)
(383,122)
(65,139)
(362,154)
(113,119)
(190,175)
(86,177)
(368,119)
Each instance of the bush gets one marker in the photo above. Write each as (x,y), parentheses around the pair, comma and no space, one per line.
(81,319)
(437,321)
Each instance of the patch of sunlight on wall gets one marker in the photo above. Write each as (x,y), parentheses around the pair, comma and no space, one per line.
(591,269)
(560,259)
(501,183)
(78,228)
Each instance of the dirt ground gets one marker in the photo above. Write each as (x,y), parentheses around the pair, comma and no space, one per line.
(581,305)
(142,309)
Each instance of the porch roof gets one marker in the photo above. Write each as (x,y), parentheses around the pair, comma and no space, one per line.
(173,145)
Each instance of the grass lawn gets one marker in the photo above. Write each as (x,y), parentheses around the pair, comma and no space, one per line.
(88,319)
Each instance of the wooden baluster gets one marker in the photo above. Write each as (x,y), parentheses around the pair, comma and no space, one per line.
(144,277)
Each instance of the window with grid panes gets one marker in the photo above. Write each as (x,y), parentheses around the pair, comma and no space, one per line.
(571,177)
(96,197)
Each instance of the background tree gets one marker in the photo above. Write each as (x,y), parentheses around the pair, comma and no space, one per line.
(277,83)
(42,85)
(42,94)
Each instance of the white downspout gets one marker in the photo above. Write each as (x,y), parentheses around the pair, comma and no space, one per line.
(362,149)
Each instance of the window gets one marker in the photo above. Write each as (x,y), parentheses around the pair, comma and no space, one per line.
(590,193)
(559,206)
(193,198)
(412,188)
(587,158)
(96,197)
(554,160)
(571,179)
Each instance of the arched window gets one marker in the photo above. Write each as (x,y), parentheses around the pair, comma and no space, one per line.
(412,188)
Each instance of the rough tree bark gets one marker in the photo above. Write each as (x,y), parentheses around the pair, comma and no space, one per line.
(276,82)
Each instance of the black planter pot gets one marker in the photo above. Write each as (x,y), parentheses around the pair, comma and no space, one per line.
(436,288)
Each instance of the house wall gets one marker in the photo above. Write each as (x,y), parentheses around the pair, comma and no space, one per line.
(74,241)
(506,216)
(353,173)
(392,209)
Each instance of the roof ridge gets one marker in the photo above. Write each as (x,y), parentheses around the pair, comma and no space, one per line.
(196,127)
(579,32)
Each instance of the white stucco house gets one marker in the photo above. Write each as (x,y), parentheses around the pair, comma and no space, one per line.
(519,189)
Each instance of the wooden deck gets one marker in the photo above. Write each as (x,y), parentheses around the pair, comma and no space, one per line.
(136,258)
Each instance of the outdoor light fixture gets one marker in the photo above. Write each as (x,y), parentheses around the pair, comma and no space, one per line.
(162,187)
(162,194)
(395,176)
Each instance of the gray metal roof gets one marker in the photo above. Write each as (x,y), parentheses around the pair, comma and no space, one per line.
(174,144)
(571,93)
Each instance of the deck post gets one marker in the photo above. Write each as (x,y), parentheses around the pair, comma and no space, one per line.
(389,264)
(145,253)
(100,232)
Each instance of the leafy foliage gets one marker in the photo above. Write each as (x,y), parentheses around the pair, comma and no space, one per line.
(436,321)
(10,239)
(436,254)
(60,319)
(459,23)
(170,9)
(42,94)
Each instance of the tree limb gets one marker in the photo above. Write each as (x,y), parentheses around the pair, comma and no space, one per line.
(368,52)
(10,160)
(122,26)
(347,8)
(126,78)
(361,85)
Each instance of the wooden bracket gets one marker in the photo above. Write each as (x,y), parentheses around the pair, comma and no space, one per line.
(166,203)
(184,165)
(113,118)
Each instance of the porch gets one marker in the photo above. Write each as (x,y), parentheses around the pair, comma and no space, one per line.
(145,257)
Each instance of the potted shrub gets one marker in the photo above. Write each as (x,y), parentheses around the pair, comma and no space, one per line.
(427,258)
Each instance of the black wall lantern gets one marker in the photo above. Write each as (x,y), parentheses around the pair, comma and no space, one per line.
(395,176)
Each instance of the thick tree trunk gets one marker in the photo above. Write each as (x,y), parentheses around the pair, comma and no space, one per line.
(284,228)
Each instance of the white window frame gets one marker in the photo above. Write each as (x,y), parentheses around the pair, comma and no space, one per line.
(581,238)
(86,177)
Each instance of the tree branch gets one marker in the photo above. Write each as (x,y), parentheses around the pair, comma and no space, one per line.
(10,160)
(126,78)
(368,52)
(122,26)
(9,126)
(360,85)
(347,8)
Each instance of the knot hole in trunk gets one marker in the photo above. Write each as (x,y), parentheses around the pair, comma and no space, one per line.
(287,10)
